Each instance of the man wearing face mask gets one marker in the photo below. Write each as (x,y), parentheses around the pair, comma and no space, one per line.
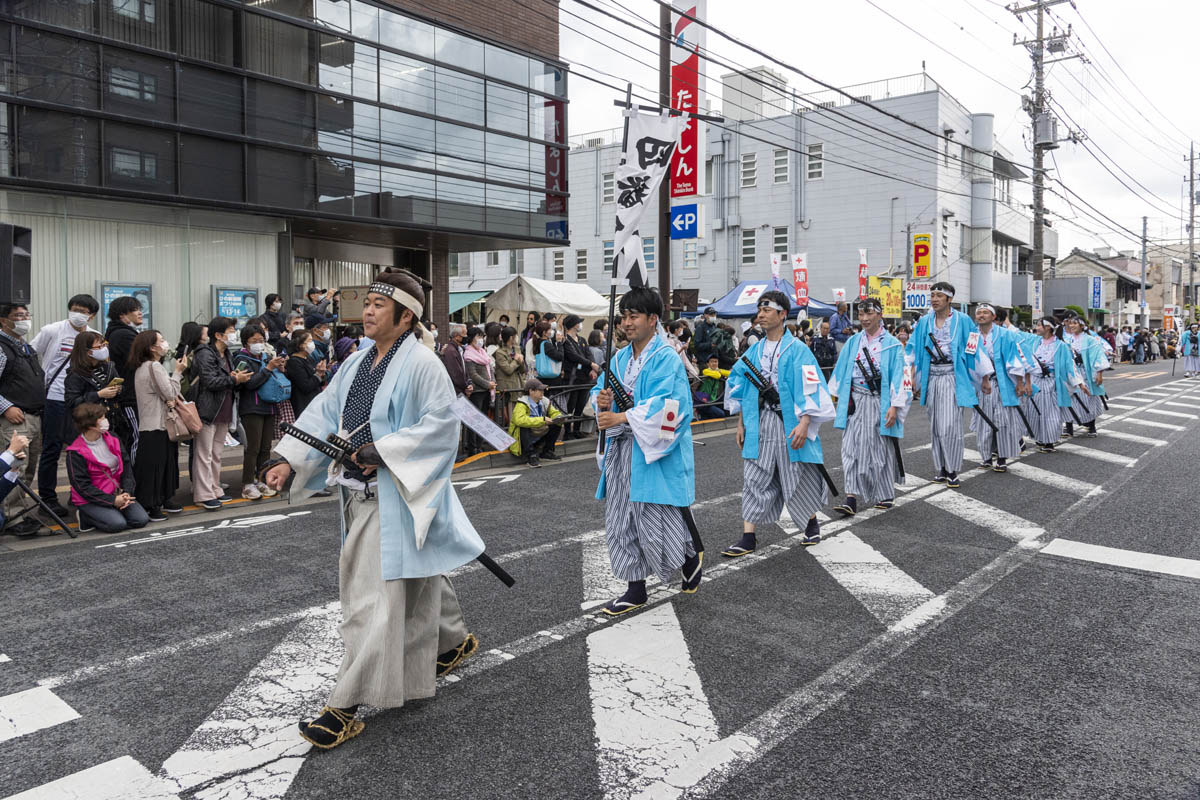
(53,345)
(273,320)
(322,336)
(124,317)
(703,339)
(21,402)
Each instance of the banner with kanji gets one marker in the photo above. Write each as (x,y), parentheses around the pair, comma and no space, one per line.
(862,274)
(650,142)
(800,278)
(687,39)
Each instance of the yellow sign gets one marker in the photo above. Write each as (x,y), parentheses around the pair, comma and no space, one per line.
(889,292)
(922,254)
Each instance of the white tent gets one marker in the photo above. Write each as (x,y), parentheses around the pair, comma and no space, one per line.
(523,294)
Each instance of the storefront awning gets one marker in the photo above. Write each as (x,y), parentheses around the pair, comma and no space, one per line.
(459,300)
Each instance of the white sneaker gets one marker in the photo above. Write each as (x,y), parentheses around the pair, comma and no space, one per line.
(251,492)
(266,491)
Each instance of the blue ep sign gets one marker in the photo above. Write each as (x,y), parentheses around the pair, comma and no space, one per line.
(685,221)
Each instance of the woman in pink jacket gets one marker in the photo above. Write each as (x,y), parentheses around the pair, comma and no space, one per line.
(102,481)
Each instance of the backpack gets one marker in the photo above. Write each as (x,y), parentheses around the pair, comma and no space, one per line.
(546,366)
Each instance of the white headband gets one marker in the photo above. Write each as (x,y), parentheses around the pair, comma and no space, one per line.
(770,304)
(988,306)
(946,292)
(399,295)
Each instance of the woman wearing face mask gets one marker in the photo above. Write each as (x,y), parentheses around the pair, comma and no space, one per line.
(257,415)
(191,336)
(481,373)
(101,480)
(304,371)
(156,466)
(273,320)
(91,374)
(215,380)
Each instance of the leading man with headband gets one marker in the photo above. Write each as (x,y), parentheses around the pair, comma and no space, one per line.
(403,528)
(870,369)
(647,478)
(779,428)
(949,366)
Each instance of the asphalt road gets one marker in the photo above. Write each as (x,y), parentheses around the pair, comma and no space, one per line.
(1034,634)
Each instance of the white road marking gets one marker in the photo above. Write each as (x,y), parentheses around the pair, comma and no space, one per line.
(249,743)
(1074,448)
(120,779)
(1179,405)
(977,512)
(911,482)
(599,583)
(1149,423)
(240,523)
(1054,479)
(650,712)
(1165,413)
(884,589)
(4,659)
(1149,562)
(1133,437)
(32,710)
(1118,405)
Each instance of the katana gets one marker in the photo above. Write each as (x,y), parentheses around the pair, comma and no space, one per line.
(876,380)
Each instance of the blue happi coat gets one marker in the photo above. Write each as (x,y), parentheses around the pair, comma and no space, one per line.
(1064,367)
(891,371)
(1006,352)
(964,363)
(1189,343)
(423,529)
(1091,354)
(665,472)
(796,392)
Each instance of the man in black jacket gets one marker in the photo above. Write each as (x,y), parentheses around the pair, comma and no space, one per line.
(22,400)
(274,320)
(124,315)
(578,368)
(702,344)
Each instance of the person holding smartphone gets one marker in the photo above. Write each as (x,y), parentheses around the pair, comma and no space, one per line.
(215,379)
(257,415)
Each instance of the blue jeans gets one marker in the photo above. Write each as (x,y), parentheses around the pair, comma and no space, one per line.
(1140,357)
(112,520)
(54,418)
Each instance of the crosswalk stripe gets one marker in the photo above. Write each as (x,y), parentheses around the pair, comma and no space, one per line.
(1054,479)
(599,583)
(1165,413)
(32,710)
(1179,405)
(977,512)
(1099,455)
(1123,407)
(1133,437)
(1150,562)
(4,659)
(1149,423)
(120,779)
(884,589)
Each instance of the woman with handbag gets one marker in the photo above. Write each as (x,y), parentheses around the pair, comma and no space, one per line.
(156,466)
(548,354)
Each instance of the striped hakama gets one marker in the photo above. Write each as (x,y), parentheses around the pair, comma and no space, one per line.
(1047,425)
(393,630)
(868,459)
(773,480)
(945,419)
(1004,442)
(1191,364)
(1088,408)
(644,539)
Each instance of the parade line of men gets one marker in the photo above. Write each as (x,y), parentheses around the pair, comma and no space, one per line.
(403,528)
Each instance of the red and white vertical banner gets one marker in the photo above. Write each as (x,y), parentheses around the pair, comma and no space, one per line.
(776,264)
(687,40)
(800,278)
(862,274)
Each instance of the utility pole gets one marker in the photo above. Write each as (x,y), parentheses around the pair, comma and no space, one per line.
(1144,316)
(1044,126)
(1190,294)
(662,245)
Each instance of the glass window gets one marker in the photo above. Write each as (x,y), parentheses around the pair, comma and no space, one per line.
(214,99)
(335,185)
(460,203)
(781,166)
(332,13)
(459,96)
(280,113)
(648,252)
(210,168)
(507,109)
(366,189)
(508,210)
(281,178)
(690,258)
(138,85)
(459,51)
(581,265)
(406,82)
(507,65)
(406,138)
(336,58)
(548,119)
(140,10)
(516,262)
(508,159)
(608,188)
(64,15)
(335,123)
(749,170)
(816,162)
(407,196)
(205,31)
(139,158)
(366,72)
(275,48)
(493,258)
(364,20)
(56,69)
(609,253)
(779,243)
(366,131)
(454,263)
(559,261)
(57,147)
(547,78)
(132,84)
(459,149)
(748,245)
(405,33)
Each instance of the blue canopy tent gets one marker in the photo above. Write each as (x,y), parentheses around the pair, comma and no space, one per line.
(742,302)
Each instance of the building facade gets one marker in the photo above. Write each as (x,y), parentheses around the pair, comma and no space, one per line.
(187,146)
(1121,276)
(781,179)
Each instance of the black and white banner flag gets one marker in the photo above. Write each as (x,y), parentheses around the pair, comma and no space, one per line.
(651,142)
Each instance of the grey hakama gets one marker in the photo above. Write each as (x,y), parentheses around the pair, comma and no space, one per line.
(1088,408)
(945,419)
(773,480)
(1047,425)
(868,459)
(393,630)
(1004,442)
(1191,364)
(644,539)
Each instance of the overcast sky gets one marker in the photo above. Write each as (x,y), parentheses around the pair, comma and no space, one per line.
(849,41)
